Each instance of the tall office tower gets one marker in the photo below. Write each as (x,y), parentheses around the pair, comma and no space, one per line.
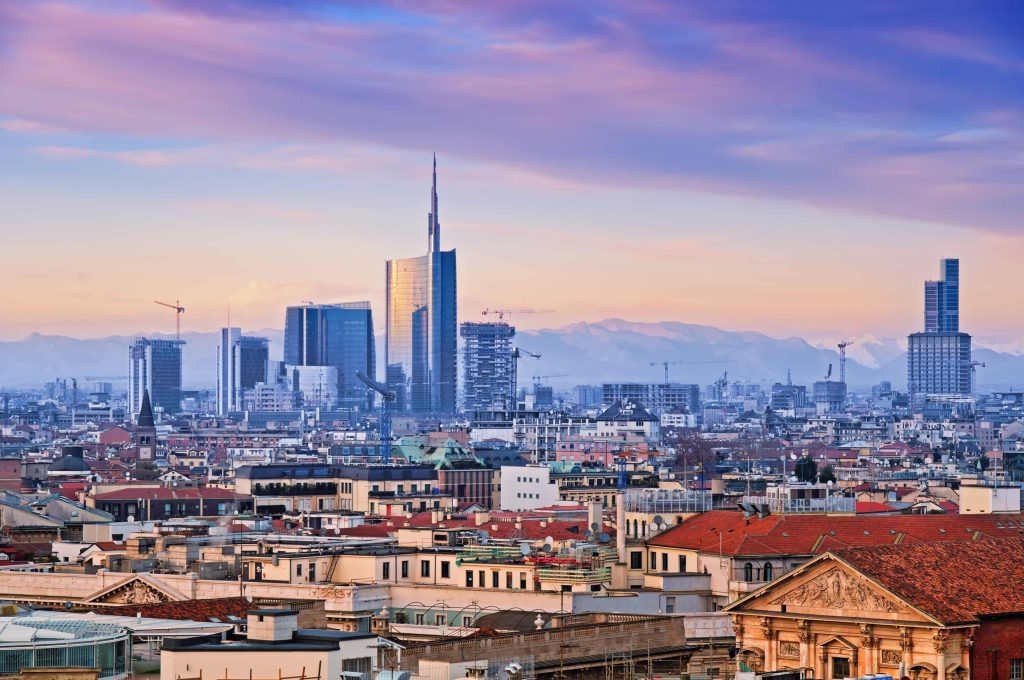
(155,365)
(942,299)
(487,366)
(939,359)
(420,346)
(241,363)
(338,335)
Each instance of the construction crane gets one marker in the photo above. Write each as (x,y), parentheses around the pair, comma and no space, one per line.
(502,313)
(666,364)
(537,378)
(178,311)
(517,353)
(828,376)
(974,368)
(843,344)
(387,402)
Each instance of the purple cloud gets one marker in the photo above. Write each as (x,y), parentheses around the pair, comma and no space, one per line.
(882,112)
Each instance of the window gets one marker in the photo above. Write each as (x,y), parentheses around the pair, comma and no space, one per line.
(670,604)
(748,572)
(425,568)
(840,667)
(469,578)
(467,621)
(386,570)
(522,580)
(636,560)
(508,580)
(495,575)
(298,570)
(682,564)
(653,561)
(420,620)
(358,665)
(405,568)
(446,569)
(1016,669)
(767,571)
(439,620)
(664,561)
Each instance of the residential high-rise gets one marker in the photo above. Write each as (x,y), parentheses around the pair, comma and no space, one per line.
(338,335)
(422,327)
(658,397)
(241,363)
(486,365)
(155,365)
(939,359)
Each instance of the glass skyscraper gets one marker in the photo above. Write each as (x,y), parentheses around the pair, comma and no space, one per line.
(338,335)
(939,359)
(241,363)
(155,365)
(420,345)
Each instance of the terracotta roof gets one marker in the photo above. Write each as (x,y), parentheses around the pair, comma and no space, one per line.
(813,534)
(163,493)
(186,610)
(871,507)
(956,582)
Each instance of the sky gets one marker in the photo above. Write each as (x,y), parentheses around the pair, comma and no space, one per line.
(796,168)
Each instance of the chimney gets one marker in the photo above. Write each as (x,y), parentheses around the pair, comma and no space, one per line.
(481,518)
(594,513)
(272,625)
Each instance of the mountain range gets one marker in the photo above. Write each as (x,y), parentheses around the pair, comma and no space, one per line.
(580,353)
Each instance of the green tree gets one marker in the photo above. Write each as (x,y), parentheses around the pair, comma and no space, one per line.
(827,474)
(806,469)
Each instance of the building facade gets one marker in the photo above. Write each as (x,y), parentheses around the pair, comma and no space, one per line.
(658,397)
(338,335)
(939,359)
(155,365)
(420,345)
(241,364)
(487,366)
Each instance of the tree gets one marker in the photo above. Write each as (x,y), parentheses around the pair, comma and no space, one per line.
(827,474)
(146,471)
(806,469)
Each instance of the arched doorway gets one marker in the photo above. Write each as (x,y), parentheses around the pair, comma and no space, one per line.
(922,671)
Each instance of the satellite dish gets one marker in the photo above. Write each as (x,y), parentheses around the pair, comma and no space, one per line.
(337,531)
(525,549)
(604,538)
(588,533)
(131,518)
(658,520)
(484,540)
(594,526)
(546,548)
(549,540)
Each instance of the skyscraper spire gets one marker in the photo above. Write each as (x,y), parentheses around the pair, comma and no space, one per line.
(433,223)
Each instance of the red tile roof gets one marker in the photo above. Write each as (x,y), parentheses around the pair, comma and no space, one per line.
(956,582)
(813,534)
(186,610)
(871,507)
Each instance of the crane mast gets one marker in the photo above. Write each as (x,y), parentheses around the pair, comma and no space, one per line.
(387,401)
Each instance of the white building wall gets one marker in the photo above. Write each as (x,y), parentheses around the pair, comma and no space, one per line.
(527,487)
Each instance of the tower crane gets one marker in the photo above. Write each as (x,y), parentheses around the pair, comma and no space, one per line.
(666,364)
(178,311)
(502,313)
(974,369)
(843,344)
(517,353)
(537,377)
(387,401)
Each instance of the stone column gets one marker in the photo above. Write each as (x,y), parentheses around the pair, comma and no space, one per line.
(940,638)
(806,649)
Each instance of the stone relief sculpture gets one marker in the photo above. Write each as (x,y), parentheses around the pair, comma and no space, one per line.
(135,592)
(835,589)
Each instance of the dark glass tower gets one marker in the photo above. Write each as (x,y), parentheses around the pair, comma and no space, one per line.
(942,299)
(339,335)
(422,323)
(939,359)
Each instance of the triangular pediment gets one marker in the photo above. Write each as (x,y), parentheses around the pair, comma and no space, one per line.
(135,589)
(828,587)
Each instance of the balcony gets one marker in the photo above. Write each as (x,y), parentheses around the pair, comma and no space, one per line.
(586,576)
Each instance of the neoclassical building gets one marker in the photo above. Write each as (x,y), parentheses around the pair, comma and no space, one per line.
(930,611)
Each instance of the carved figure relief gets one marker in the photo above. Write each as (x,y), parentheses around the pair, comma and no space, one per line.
(789,649)
(835,589)
(892,657)
(804,630)
(135,592)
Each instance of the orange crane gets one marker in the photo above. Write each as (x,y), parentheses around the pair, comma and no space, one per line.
(502,313)
(178,311)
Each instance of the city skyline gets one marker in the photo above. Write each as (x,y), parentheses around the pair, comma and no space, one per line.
(708,138)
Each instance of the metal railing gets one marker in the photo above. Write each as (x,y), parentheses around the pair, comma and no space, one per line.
(798,505)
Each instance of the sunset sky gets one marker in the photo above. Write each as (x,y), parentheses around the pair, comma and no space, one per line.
(795,167)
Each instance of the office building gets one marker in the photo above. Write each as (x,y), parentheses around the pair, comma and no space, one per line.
(241,364)
(939,359)
(337,335)
(787,396)
(316,386)
(487,366)
(942,299)
(658,397)
(420,345)
(155,365)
